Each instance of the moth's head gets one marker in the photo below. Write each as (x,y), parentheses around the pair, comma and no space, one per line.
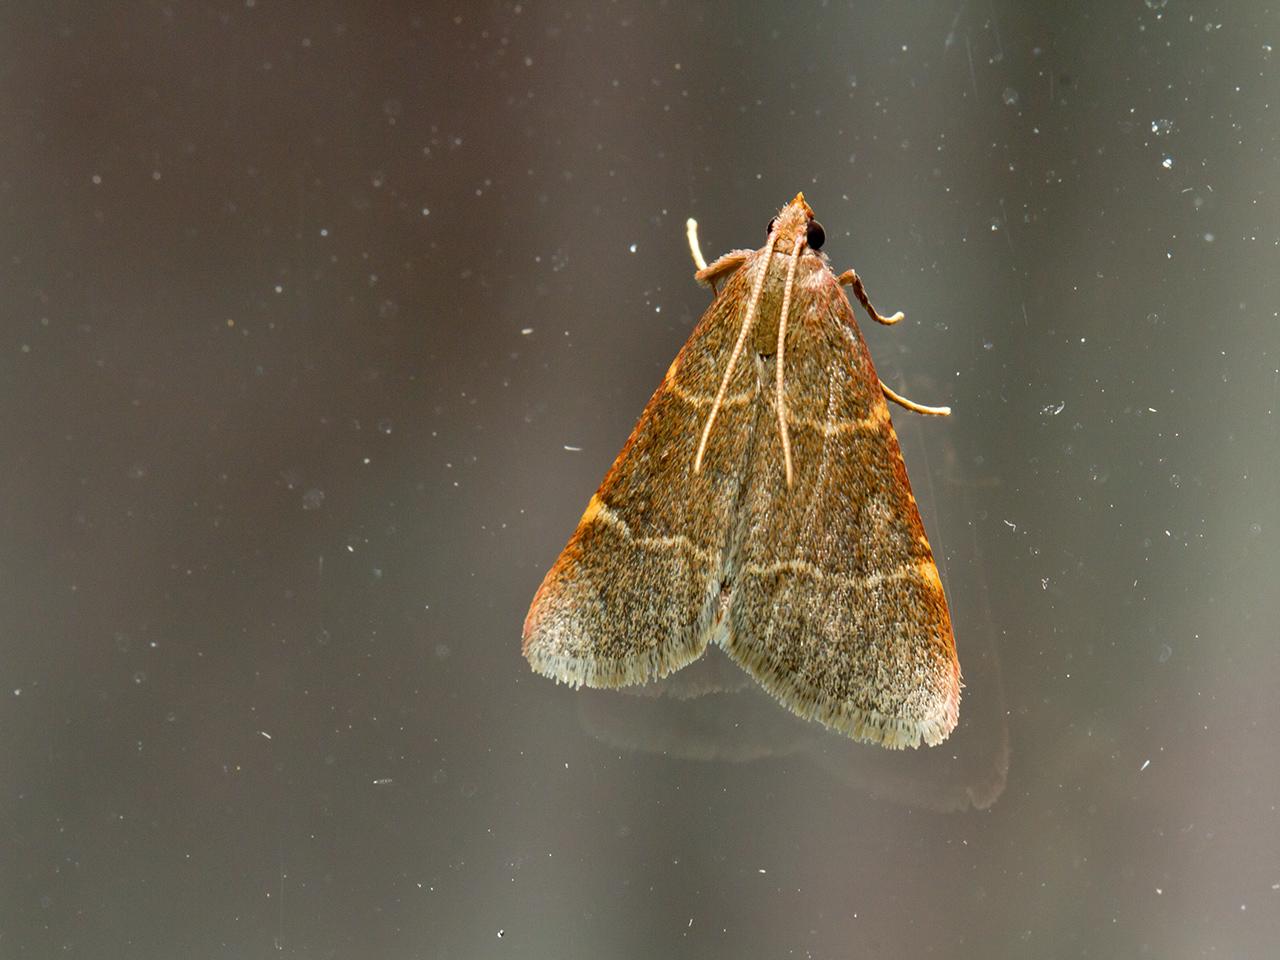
(796,220)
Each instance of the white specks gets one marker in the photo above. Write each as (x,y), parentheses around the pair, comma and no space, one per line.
(1167,162)
(572,449)
(264,734)
(1145,764)
(525,331)
(1053,409)
(632,248)
(97,179)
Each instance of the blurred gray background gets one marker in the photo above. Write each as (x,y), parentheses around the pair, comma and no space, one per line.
(319,324)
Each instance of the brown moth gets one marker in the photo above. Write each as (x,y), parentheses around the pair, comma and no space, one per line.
(761,503)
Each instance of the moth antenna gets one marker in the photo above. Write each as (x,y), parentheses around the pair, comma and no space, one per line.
(782,342)
(757,288)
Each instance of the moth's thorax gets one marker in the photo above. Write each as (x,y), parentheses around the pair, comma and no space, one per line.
(813,282)
(781,256)
(812,273)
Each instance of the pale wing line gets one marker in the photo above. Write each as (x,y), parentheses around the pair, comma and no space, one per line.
(908,571)
(610,516)
(878,419)
(698,400)
(826,427)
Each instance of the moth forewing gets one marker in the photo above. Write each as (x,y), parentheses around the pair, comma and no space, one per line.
(837,609)
(635,593)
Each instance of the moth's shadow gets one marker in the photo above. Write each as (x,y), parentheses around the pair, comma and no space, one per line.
(713,711)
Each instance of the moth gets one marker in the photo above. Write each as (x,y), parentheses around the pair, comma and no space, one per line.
(761,503)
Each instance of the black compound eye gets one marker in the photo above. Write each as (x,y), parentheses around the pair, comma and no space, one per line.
(815,237)
(769,229)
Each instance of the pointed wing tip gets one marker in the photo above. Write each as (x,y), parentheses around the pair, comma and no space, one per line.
(939,723)
(892,733)
(544,651)
(552,669)
(865,724)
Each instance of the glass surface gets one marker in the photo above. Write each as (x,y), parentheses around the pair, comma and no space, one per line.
(322,322)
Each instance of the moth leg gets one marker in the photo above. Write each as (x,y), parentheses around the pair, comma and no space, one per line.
(912,405)
(710,275)
(691,233)
(850,278)
(730,262)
